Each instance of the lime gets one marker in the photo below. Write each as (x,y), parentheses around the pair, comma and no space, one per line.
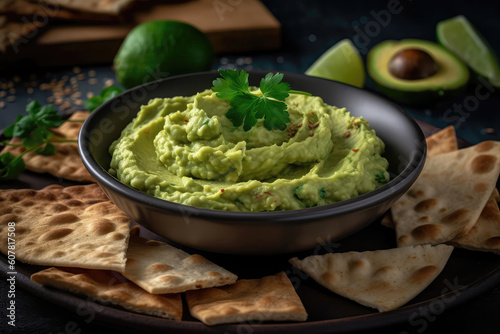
(342,63)
(460,37)
(158,49)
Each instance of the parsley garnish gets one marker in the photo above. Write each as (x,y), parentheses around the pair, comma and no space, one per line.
(248,107)
(380,177)
(33,130)
(10,166)
(105,95)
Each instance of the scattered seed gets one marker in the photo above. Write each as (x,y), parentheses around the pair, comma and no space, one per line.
(58,101)
(12,91)
(4,85)
(65,105)
(489,130)
(90,94)
(109,82)
(44,86)
(92,81)
(79,102)
(11,98)
(68,91)
(76,69)
(51,99)
(17,78)
(3,93)
(30,90)
(92,73)
(76,95)
(81,76)
(58,93)
(10,84)
(2,104)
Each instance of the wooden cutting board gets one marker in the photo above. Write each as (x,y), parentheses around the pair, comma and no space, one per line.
(231,25)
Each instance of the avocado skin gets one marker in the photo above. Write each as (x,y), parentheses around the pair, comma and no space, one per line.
(424,98)
(417,97)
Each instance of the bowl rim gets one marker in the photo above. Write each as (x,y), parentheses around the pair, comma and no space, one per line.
(363,201)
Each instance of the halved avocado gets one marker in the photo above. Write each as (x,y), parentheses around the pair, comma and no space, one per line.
(449,78)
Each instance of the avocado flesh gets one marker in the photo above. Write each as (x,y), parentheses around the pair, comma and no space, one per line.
(450,79)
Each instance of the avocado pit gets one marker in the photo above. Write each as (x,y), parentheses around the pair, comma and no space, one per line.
(412,64)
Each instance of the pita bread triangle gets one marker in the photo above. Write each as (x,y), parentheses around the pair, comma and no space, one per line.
(160,268)
(440,142)
(447,199)
(381,279)
(110,287)
(74,226)
(485,234)
(270,298)
(443,141)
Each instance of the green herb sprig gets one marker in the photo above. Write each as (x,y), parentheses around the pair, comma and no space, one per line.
(248,107)
(106,94)
(33,130)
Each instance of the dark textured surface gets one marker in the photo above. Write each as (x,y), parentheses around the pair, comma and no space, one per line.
(309,28)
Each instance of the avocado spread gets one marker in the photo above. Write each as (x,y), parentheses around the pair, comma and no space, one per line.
(184,150)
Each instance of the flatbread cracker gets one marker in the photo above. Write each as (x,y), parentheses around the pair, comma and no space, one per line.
(271,298)
(485,234)
(381,279)
(440,142)
(17,9)
(15,33)
(109,7)
(73,226)
(66,162)
(109,287)
(443,141)
(160,268)
(467,177)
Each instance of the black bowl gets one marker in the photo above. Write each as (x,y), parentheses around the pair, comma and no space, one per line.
(259,232)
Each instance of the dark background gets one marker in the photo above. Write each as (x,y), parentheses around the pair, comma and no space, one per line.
(310,28)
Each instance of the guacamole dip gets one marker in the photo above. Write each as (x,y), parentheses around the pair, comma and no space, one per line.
(184,150)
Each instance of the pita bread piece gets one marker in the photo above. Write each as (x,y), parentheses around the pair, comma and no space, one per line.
(440,142)
(381,279)
(106,287)
(66,162)
(109,7)
(16,33)
(443,141)
(160,268)
(449,195)
(23,8)
(73,226)
(271,298)
(485,234)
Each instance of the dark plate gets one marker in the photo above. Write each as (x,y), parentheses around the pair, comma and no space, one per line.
(466,275)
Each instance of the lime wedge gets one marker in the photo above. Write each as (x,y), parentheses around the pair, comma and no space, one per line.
(460,37)
(342,63)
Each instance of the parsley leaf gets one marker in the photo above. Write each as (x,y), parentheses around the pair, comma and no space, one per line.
(10,166)
(33,130)
(248,107)
(106,94)
(380,177)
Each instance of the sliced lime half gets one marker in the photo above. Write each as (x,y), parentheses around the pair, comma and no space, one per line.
(460,37)
(342,63)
